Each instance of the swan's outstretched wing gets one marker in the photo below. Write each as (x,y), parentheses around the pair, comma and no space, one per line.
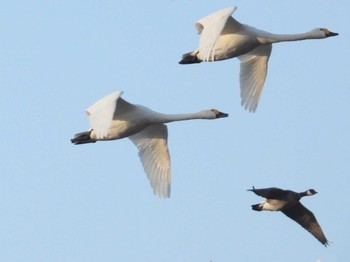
(210,28)
(307,220)
(153,151)
(101,113)
(253,74)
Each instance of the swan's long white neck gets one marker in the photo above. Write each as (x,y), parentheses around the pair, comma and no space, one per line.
(270,38)
(166,118)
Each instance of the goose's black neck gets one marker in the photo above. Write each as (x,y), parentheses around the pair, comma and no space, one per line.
(302,194)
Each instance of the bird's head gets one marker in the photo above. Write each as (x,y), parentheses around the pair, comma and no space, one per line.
(311,192)
(218,114)
(323,33)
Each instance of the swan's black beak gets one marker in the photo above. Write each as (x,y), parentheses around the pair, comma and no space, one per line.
(221,114)
(329,33)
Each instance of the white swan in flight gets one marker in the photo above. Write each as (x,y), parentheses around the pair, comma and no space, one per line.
(223,37)
(114,118)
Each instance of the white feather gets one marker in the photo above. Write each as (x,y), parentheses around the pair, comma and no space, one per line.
(253,74)
(101,114)
(223,37)
(210,28)
(154,154)
(114,118)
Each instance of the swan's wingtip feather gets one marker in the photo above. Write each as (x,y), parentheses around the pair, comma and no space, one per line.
(119,93)
(199,27)
(161,185)
(98,103)
(234,8)
(164,195)
(230,10)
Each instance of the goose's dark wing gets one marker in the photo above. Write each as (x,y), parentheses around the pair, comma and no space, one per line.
(307,220)
(270,193)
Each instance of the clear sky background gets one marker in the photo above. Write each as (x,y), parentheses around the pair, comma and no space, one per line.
(61,202)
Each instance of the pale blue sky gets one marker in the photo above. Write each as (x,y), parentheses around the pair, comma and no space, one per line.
(62,202)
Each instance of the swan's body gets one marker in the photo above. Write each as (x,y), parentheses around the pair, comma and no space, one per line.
(114,118)
(288,202)
(223,37)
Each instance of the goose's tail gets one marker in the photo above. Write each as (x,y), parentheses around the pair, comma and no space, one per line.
(190,58)
(82,138)
(257,207)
